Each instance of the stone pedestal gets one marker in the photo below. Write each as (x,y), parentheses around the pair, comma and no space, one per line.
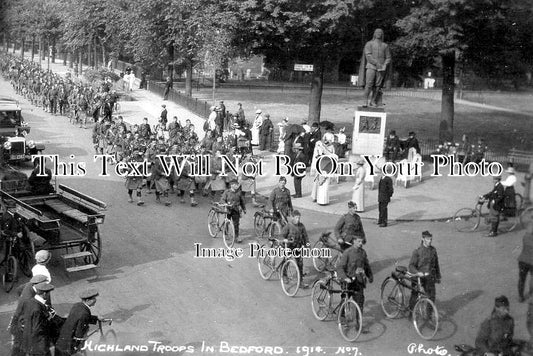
(369,131)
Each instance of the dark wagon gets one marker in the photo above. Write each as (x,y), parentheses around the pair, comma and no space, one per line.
(66,219)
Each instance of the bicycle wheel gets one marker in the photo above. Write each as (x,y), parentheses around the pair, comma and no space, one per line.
(466,220)
(350,320)
(274,230)
(392,298)
(212,223)
(509,222)
(228,233)
(10,273)
(109,338)
(319,263)
(259,224)
(320,300)
(526,216)
(425,318)
(290,278)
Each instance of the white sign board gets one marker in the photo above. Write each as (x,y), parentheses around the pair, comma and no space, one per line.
(369,133)
(303,67)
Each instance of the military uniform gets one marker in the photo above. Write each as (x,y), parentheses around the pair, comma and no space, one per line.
(297,236)
(234,200)
(281,201)
(76,326)
(496,335)
(495,198)
(425,260)
(351,260)
(348,227)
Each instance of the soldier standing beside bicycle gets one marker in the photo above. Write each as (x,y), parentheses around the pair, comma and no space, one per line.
(280,198)
(234,199)
(348,227)
(495,205)
(425,263)
(77,324)
(354,268)
(296,234)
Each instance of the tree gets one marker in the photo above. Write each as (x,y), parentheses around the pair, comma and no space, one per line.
(314,31)
(466,30)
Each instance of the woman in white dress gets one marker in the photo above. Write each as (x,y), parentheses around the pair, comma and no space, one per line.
(358,195)
(258,121)
(282,128)
(320,191)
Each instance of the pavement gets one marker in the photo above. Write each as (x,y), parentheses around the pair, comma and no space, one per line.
(434,198)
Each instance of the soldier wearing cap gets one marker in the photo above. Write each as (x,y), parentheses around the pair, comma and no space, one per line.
(36,315)
(234,199)
(425,263)
(280,198)
(353,268)
(296,234)
(298,158)
(77,324)
(348,227)
(495,205)
(495,336)
(27,292)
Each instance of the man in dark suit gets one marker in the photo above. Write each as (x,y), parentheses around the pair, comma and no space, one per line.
(314,136)
(164,114)
(495,198)
(27,292)
(77,324)
(265,134)
(385,191)
(36,316)
(299,157)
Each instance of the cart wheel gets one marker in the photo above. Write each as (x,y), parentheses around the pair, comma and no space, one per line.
(94,246)
(10,273)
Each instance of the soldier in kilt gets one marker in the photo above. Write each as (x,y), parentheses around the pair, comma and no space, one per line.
(134,183)
(185,182)
(161,182)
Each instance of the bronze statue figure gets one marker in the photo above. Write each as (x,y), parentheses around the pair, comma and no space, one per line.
(376,57)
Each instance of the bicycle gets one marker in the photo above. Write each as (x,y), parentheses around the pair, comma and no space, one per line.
(19,251)
(269,261)
(109,337)
(349,315)
(322,263)
(262,221)
(468,220)
(216,224)
(425,316)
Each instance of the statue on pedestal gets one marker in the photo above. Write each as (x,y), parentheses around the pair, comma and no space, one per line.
(373,69)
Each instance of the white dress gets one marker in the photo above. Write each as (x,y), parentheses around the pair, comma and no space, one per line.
(358,195)
(320,191)
(255,129)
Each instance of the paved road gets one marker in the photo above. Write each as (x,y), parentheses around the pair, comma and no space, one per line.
(155,290)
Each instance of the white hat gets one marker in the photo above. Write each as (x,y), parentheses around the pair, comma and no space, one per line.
(42,256)
(510,170)
(258,111)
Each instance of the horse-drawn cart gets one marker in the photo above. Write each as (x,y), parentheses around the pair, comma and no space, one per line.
(66,219)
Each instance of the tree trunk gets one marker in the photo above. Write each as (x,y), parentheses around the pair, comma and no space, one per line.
(315,99)
(22,43)
(448,86)
(89,51)
(80,61)
(14,45)
(32,47)
(188,77)
(41,54)
(95,55)
(70,59)
(53,44)
(170,66)
(103,55)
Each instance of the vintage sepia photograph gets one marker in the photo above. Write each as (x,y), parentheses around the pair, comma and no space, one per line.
(266,177)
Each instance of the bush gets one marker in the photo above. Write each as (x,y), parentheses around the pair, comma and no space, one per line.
(98,75)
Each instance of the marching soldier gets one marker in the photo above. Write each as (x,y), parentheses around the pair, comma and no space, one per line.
(233,197)
(280,198)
